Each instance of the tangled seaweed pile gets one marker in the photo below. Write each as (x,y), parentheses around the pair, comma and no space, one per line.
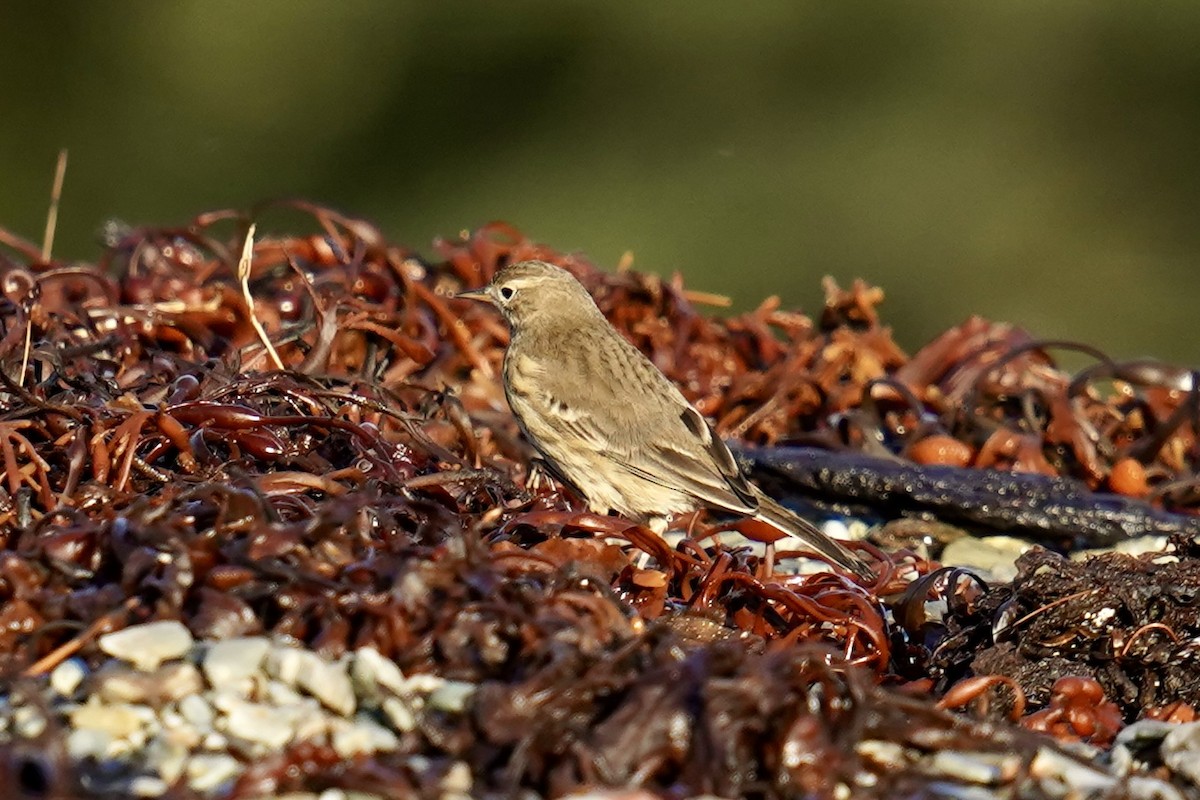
(155,465)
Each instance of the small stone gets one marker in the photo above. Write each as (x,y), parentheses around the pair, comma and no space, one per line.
(223,700)
(887,755)
(214,742)
(167,758)
(118,720)
(329,683)
(138,739)
(1180,751)
(1057,768)
(176,681)
(995,555)
(147,646)
(265,725)
(234,661)
(1146,733)
(452,696)
(382,739)
(88,743)
(311,722)
(147,786)
(178,731)
(457,782)
(120,750)
(117,683)
(171,718)
(362,736)
(1134,547)
(1137,743)
(400,713)
(348,740)
(196,710)
(28,722)
(422,683)
(67,676)
(978,768)
(287,663)
(165,684)
(208,772)
(280,694)
(375,676)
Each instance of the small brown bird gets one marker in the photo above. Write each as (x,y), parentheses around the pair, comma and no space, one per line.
(609,423)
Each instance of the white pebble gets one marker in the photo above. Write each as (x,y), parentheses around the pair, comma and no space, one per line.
(234,661)
(423,683)
(265,725)
(329,683)
(179,680)
(349,740)
(167,683)
(362,736)
(986,769)
(995,555)
(118,720)
(1179,751)
(287,663)
(177,731)
(196,710)
(88,743)
(382,739)
(886,755)
(400,714)
(147,786)
(215,742)
(1133,547)
(147,646)
(452,696)
(311,722)
(280,694)
(67,676)
(374,675)
(169,759)
(28,722)
(458,781)
(207,772)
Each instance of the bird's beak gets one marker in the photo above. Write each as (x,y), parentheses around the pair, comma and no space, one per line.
(475,294)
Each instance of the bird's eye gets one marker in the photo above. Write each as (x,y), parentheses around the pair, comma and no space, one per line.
(506,292)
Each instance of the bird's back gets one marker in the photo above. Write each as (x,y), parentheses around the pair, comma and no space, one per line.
(581,386)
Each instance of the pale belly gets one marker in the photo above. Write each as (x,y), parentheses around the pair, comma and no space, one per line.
(605,484)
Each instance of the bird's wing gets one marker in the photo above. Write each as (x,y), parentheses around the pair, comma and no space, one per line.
(640,422)
(688,457)
(782,519)
(672,445)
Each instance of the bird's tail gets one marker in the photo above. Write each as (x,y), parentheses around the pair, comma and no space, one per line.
(779,517)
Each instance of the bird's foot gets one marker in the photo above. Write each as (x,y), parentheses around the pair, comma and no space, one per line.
(539,478)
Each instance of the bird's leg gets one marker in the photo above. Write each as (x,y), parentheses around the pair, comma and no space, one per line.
(768,562)
(538,477)
(659,525)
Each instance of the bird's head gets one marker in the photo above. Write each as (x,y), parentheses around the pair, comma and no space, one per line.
(535,290)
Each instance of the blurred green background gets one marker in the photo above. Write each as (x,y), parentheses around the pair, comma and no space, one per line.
(1032,162)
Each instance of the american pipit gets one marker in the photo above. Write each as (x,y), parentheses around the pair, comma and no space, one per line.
(609,423)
